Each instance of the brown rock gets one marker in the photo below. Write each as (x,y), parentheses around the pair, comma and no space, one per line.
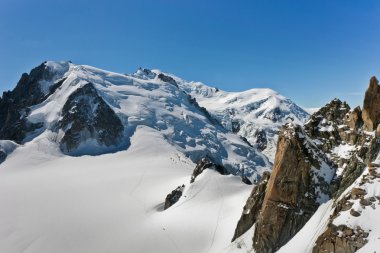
(373,165)
(290,198)
(365,202)
(377,133)
(348,231)
(354,213)
(354,118)
(357,192)
(349,242)
(252,207)
(371,105)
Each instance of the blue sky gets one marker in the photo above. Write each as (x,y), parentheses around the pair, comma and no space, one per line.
(310,51)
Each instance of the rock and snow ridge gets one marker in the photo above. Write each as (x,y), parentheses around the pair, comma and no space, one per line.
(89,111)
(147,97)
(256,114)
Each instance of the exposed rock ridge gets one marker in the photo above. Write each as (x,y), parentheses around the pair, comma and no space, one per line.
(367,147)
(252,207)
(14,105)
(298,184)
(206,163)
(174,196)
(86,116)
(341,239)
(338,237)
(371,105)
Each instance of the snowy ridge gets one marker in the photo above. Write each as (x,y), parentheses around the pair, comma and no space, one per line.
(255,114)
(146,98)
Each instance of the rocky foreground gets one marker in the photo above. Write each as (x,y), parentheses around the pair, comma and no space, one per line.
(315,163)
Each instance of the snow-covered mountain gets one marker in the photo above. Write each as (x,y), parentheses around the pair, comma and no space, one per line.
(255,114)
(89,156)
(87,111)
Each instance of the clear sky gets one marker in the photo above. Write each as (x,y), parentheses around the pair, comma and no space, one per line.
(310,51)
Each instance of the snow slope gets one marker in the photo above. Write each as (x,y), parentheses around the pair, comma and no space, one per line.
(114,202)
(248,113)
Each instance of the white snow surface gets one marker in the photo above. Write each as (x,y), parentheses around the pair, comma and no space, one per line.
(344,150)
(114,202)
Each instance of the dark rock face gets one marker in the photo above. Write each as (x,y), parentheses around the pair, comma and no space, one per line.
(206,163)
(194,102)
(14,105)
(3,156)
(86,116)
(252,207)
(203,164)
(235,126)
(173,197)
(167,79)
(371,105)
(261,139)
(291,197)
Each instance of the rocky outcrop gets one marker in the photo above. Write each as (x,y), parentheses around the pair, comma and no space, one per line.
(203,164)
(206,163)
(86,116)
(14,105)
(194,102)
(341,239)
(354,119)
(167,79)
(261,139)
(326,124)
(334,137)
(336,124)
(252,207)
(3,156)
(295,189)
(371,105)
(174,196)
